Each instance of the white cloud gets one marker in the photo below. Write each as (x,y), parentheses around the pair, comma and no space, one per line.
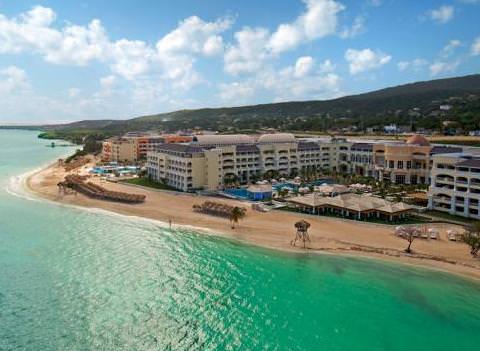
(108,82)
(475,49)
(131,58)
(253,46)
(303,66)
(286,37)
(451,47)
(439,67)
(13,80)
(193,35)
(213,46)
(248,54)
(173,56)
(318,20)
(366,59)
(415,64)
(357,28)
(236,92)
(303,80)
(443,14)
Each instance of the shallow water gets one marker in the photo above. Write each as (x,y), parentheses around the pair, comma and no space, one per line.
(72,279)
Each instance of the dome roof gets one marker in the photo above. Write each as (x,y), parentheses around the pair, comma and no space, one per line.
(276,138)
(418,140)
(233,139)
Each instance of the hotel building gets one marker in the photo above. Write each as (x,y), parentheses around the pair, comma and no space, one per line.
(455,186)
(134,146)
(211,161)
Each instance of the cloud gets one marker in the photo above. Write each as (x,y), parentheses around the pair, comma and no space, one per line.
(415,65)
(303,66)
(440,67)
(318,20)
(450,48)
(13,80)
(248,54)
(193,35)
(357,28)
(366,59)
(305,79)
(172,57)
(237,92)
(475,48)
(253,46)
(443,14)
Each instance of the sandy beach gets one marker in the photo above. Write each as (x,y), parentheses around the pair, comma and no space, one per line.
(273,229)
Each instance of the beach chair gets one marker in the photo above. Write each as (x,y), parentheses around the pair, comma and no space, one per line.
(433,233)
(452,235)
(424,234)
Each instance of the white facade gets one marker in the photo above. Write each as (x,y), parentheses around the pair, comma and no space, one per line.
(212,161)
(455,184)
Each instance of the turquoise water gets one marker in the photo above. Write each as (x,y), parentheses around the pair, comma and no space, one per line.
(74,279)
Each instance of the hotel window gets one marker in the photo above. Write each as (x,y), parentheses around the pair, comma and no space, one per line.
(391,164)
(400,164)
(409,164)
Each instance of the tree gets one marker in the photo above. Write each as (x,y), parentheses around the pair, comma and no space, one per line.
(409,234)
(471,237)
(236,214)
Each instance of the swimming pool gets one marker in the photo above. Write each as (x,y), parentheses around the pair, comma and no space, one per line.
(238,192)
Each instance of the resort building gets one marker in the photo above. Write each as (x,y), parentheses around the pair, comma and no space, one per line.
(455,186)
(119,150)
(351,206)
(213,161)
(134,146)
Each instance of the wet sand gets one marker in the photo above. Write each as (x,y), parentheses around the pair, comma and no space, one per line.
(273,229)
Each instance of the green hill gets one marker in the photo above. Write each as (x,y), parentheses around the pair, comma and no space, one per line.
(417,102)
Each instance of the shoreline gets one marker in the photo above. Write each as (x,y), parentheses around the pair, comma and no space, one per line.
(271,230)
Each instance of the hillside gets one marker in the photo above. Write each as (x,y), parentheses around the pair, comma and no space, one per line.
(416,103)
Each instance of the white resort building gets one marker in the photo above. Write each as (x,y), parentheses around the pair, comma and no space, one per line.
(212,161)
(455,186)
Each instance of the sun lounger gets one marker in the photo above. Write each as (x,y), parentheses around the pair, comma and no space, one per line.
(452,235)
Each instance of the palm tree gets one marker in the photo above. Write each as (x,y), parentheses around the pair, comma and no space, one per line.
(236,214)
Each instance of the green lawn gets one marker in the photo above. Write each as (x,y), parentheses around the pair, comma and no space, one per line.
(147,182)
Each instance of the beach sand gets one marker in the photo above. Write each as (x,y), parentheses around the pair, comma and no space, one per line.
(273,229)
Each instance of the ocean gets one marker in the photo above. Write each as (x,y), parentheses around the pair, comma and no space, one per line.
(83,279)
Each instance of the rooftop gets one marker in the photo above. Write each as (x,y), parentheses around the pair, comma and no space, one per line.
(276,138)
(362,147)
(223,139)
(352,202)
(172,147)
(418,140)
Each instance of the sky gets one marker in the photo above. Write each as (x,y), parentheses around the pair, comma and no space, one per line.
(65,60)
